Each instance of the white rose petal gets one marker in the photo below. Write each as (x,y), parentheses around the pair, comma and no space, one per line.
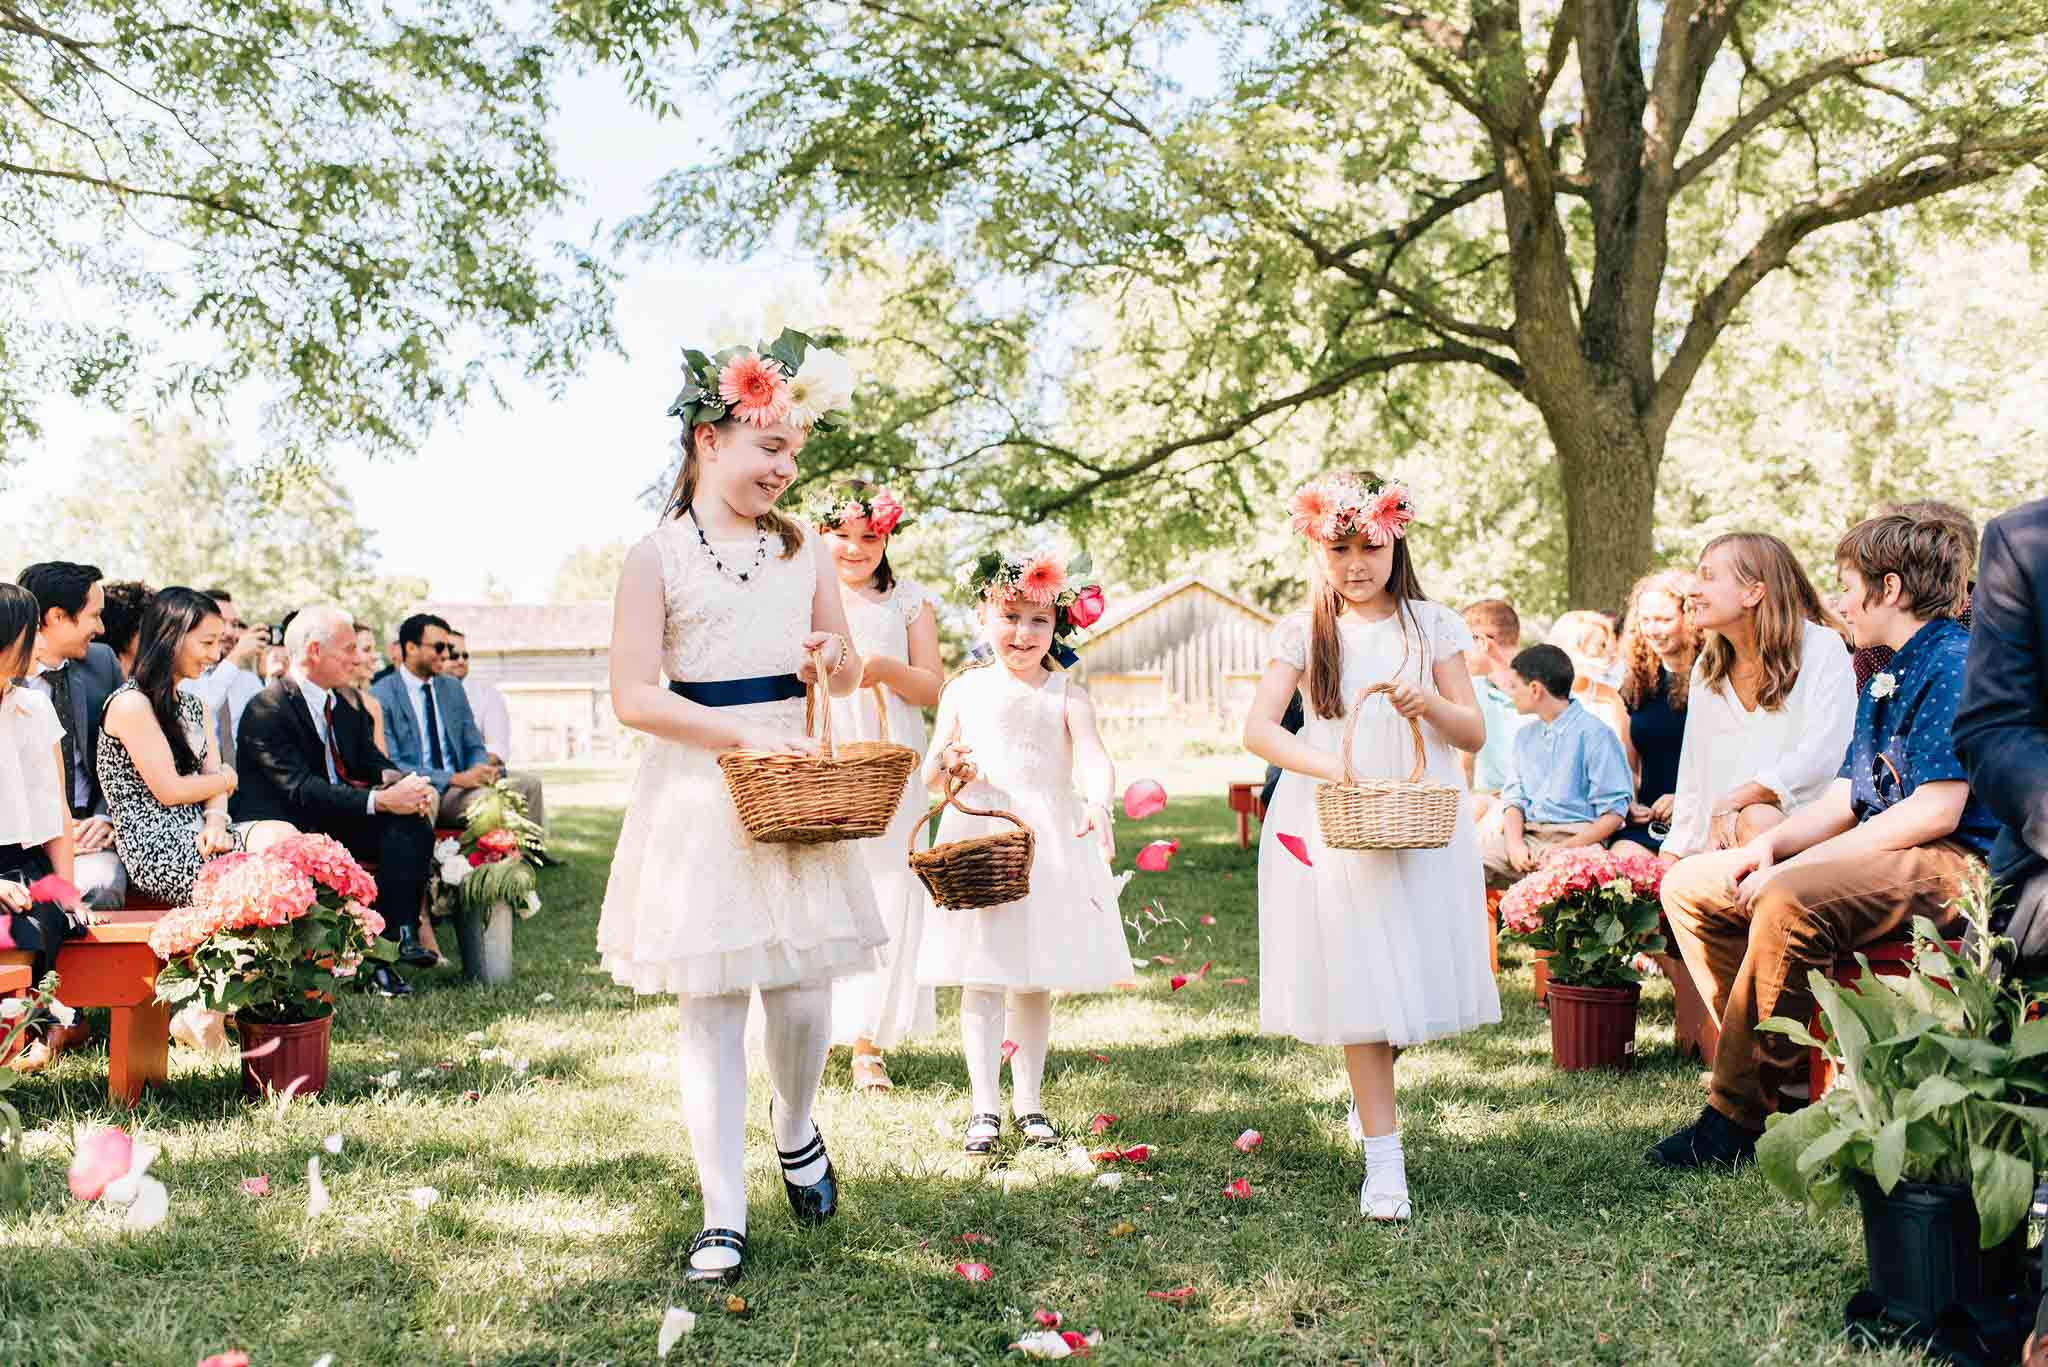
(13,1007)
(424,1073)
(151,1206)
(67,1016)
(1046,1343)
(519,1065)
(545,998)
(126,1188)
(324,1360)
(390,1079)
(676,1323)
(475,1037)
(332,1143)
(423,1197)
(316,1191)
(1110,1180)
(489,1055)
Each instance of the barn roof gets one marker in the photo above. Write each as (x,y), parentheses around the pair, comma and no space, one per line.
(511,628)
(1159,595)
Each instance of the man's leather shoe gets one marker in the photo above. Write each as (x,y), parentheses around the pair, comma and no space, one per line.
(412,953)
(385,982)
(1712,1141)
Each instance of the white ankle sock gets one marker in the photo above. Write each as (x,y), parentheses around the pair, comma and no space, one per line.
(1031,1032)
(712,1059)
(981,1040)
(1386,1175)
(798,1036)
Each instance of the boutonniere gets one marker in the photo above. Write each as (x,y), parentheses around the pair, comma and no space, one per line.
(1884,685)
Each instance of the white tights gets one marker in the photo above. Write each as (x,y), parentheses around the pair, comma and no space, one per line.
(981,1039)
(712,1061)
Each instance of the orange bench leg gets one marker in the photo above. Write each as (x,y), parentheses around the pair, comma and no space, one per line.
(138,1050)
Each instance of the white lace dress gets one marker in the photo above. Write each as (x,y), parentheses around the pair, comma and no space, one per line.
(1372,945)
(887,1005)
(1067,934)
(695,905)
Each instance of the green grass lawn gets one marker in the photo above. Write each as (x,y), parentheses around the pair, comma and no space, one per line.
(566,1196)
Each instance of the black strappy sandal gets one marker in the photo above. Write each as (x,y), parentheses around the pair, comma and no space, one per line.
(715,1238)
(980,1145)
(1036,1120)
(818,1202)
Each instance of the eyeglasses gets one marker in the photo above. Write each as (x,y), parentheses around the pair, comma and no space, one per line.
(438,647)
(457,654)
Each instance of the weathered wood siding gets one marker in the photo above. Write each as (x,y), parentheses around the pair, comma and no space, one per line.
(1187,655)
(560,702)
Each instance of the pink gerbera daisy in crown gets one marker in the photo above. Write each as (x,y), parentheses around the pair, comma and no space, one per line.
(1335,506)
(1044,578)
(756,389)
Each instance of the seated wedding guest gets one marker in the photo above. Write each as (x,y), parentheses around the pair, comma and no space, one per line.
(1894,837)
(2002,720)
(428,720)
(1771,701)
(1658,646)
(1868,660)
(358,686)
(277,662)
(1589,638)
(1496,635)
(307,758)
(35,823)
(166,786)
(227,685)
(78,675)
(494,721)
(120,615)
(1571,781)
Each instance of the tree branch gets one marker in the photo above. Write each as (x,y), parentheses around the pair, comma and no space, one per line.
(215,202)
(1780,97)
(1440,207)
(1894,187)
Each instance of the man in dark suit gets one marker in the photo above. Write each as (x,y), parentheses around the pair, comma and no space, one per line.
(79,673)
(306,755)
(2002,721)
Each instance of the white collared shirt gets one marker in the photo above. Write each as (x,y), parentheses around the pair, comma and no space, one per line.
(32,810)
(316,703)
(225,685)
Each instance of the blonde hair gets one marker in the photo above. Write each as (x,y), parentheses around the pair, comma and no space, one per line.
(1789,603)
(1641,666)
(1583,634)
(1325,691)
(685,493)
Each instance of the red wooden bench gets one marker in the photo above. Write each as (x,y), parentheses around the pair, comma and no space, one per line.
(14,979)
(112,966)
(1244,800)
(1888,959)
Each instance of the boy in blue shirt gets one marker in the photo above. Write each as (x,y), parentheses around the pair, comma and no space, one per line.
(1571,785)
(1496,635)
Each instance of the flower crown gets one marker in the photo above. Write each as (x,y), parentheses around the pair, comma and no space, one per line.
(1333,507)
(1042,579)
(786,380)
(858,500)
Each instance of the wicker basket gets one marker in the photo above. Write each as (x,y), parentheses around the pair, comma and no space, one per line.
(847,792)
(1386,813)
(981,871)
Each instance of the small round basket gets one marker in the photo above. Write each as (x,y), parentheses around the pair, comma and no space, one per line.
(981,871)
(1386,813)
(847,792)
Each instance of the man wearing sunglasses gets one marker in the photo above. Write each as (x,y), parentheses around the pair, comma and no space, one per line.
(494,719)
(1896,837)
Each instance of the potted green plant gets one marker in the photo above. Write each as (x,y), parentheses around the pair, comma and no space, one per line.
(267,938)
(1596,913)
(1938,1120)
(486,877)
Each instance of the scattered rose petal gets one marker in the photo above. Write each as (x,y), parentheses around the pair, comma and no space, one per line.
(972,1238)
(472,1095)
(423,1197)
(1101,1123)
(1125,986)
(1208,920)
(1175,1296)
(1162,959)
(475,1037)
(1144,798)
(544,998)
(259,1185)
(324,1360)
(332,1143)
(1178,981)
(1138,1153)
(234,1357)
(128,1186)
(1110,1180)
(1156,856)
(1248,1141)
(1009,1050)
(1046,1343)
(676,1323)
(1239,1190)
(316,1191)
(1080,1343)
(1203,971)
(152,1204)
(1122,1229)
(422,1074)
(1295,846)
(388,1056)
(100,1160)
(973,1272)
(1237,982)
(1051,1319)
(446,1065)
(1100,1058)
(390,1079)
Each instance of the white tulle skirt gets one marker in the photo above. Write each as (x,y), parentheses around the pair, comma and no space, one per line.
(887,1005)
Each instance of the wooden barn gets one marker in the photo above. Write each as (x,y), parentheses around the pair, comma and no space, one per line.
(551,661)
(1186,650)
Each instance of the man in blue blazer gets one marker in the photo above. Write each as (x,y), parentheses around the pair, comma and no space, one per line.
(428,727)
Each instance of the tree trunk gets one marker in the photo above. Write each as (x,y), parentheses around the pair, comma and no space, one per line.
(1610,492)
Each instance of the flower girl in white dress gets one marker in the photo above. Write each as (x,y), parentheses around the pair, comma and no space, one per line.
(1015,733)
(740,609)
(896,631)
(1368,949)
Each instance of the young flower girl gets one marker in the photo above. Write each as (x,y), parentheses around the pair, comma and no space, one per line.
(741,609)
(1017,735)
(1368,949)
(896,631)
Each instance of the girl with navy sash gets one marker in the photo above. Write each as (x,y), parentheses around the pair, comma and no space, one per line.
(740,609)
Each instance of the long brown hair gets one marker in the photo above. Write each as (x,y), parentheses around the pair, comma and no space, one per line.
(685,492)
(1790,602)
(1326,647)
(1641,665)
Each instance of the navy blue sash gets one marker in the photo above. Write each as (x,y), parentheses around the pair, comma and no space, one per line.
(740,692)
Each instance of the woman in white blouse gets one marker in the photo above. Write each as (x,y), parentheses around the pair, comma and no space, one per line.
(1773,697)
(35,822)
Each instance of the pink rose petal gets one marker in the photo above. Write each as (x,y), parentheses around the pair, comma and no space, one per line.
(1078,1343)
(1144,798)
(1208,920)
(1203,971)
(103,1158)
(1236,982)
(1156,856)
(1239,1190)
(259,1185)
(1101,1123)
(1295,846)
(1009,1050)
(1051,1319)
(1175,1296)
(973,1238)
(973,1272)
(1100,1058)
(1179,981)
(233,1358)
(1161,959)
(1248,1141)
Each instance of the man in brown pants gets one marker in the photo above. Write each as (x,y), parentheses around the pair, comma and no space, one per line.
(1894,838)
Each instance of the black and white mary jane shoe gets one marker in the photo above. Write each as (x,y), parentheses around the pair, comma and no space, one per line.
(819,1201)
(715,1238)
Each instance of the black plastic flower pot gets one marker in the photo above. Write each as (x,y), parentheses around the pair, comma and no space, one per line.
(1921,1244)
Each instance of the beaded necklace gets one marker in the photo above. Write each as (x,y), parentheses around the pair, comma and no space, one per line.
(760,551)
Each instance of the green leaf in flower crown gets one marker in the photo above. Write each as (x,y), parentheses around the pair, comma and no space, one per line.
(789,349)
(1081,566)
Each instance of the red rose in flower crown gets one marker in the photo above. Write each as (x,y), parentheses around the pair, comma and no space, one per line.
(1087,607)
(847,504)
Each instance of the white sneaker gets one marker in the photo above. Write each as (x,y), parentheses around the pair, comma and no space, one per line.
(1390,1207)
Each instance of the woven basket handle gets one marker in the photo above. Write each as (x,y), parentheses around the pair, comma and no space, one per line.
(952,799)
(881,712)
(815,716)
(1351,729)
